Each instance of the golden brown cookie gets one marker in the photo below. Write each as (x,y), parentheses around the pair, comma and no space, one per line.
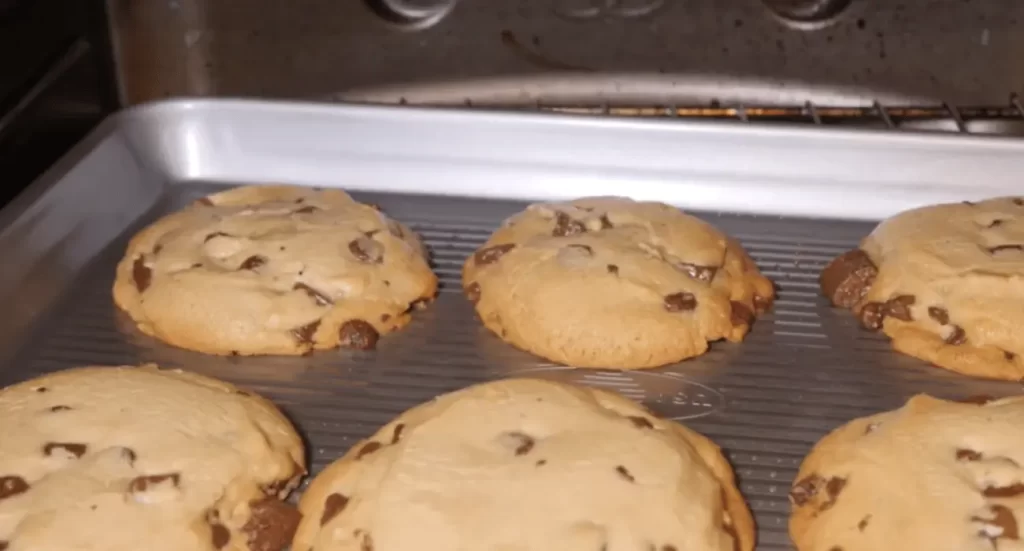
(607,282)
(933,475)
(945,282)
(529,465)
(129,458)
(273,270)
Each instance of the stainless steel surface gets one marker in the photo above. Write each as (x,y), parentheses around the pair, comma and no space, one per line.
(641,51)
(804,369)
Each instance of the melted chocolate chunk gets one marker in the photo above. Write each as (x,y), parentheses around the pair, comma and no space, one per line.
(77,450)
(805,489)
(55,409)
(872,315)
(996,222)
(219,535)
(307,210)
(957,336)
(606,224)
(565,226)
(863,523)
(846,280)
(358,334)
(1018,201)
(491,254)
(1003,520)
(333,505)
(366,250)
(963,454)
(367,543)
(367,449)
(700,273)
(585,249)
(304,334)
(613,269)
(1002,248)
(320,298)
(941,315)
(740,314)
(141,274)
(253,262)
(1009,356)
(271,525)
(1006,491)
(833,488)
(129,455)
(899,307)
(523,442)
(473,292)
(977,399)
(141,484)
(680,302)
(624,473)
(641,422)
(397,435)
(11,486)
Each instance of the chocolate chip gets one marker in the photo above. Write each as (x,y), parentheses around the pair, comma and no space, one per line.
(41,389)
(668,548)
(938,314)
(367,449)
(740,314)
(141,274)
(305,333)
(899,307)
(358,334)
(271,525)
(142,483)
(762,304)
(956,337)
(522,443)
(863,523)
(333,505)
(606,224)
(1003,526)
(995,223)
(219,535)
(384,318)
(60,408)
(872,315)
(624,473)
(215,234)
(3,545)
(491,254)
(541,462)
(641,422)
(977,399)
(1001,248)
(835,548)
(129,455)
(565,226)
(366,250)
(700,273)
(320,298)
(307,210)
(1009,356)
(473,292)
(157,248)
(77,450)
(11,486)
(846,280)
(613,269)
(833,488)
(253,262)
(680,302)
(804,490)
(397,435)
(872,427)
(367,543)
(1018,201)
(1005,491)
(585,249)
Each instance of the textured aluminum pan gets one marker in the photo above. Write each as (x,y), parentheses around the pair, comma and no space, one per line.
(795,198)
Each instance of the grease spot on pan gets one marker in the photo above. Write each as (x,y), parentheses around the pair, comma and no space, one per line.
(669,396)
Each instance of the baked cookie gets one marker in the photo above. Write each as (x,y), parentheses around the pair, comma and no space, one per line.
(528,465)
(932,475)
(273,270)
(607,282)
(128,458)
(945,282)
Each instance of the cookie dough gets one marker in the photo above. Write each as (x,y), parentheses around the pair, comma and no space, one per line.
(129,458)
(945,283)
(273,270)
(528,465)
(607,282)
(934,474)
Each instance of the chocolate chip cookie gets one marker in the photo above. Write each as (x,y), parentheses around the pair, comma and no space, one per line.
(529,465)
(273,270)
(933,474)
(607,282)
(129,458)
(945,283)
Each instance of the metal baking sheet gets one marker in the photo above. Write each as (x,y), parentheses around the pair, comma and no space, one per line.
(803,370)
